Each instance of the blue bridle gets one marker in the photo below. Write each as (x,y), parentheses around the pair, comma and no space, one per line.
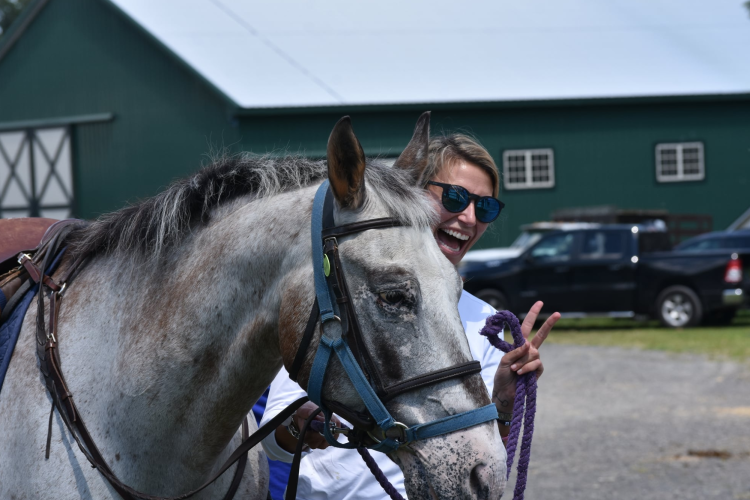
(395,434)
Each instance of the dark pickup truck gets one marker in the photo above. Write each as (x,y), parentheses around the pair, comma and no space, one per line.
(618,271)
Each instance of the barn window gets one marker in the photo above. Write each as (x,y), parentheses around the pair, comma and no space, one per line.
(680,162)
(36,173)
(528,168)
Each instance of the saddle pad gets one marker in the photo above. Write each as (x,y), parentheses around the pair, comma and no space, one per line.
(10,330)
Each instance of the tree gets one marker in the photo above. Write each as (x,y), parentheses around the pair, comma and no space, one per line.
(9,11)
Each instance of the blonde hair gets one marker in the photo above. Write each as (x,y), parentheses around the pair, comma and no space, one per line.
(446,150)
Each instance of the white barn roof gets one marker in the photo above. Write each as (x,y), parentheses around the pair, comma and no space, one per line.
(293,53)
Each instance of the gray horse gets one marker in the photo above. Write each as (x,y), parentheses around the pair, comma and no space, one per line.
(195,298)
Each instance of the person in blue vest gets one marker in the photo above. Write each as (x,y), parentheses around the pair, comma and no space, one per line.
(459,166)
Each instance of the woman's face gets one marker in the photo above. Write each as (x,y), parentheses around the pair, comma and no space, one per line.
(457,232)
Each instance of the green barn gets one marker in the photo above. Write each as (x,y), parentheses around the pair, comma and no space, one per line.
(641,107)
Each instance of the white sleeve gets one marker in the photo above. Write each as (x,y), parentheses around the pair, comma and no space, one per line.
(283,392)
(490,361)
(474,313)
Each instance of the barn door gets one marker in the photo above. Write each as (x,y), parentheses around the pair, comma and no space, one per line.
(36,173)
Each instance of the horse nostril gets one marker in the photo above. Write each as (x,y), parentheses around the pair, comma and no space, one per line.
(479,481)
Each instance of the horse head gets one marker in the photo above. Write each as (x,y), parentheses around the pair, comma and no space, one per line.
(404,294)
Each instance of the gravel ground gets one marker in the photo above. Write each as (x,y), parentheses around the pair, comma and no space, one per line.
(625,424)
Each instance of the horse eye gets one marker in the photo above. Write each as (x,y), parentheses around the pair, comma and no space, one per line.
(392,297)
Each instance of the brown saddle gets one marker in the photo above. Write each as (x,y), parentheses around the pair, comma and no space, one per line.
(20,235)
(16,236)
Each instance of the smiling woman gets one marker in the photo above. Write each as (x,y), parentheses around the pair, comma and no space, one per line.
(459,161)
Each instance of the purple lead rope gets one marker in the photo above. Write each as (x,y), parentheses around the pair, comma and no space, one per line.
(373,466)
(525,397)
(525,403)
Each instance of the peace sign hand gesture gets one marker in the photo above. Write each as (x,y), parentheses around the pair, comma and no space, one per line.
(525,359)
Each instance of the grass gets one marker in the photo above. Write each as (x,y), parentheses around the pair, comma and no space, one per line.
(727,342)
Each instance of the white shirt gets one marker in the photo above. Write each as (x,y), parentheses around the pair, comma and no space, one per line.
(341,474)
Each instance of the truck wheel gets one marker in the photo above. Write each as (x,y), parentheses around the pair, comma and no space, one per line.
(678,306)
(493,297)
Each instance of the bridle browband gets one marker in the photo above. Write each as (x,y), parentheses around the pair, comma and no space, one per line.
(341,334)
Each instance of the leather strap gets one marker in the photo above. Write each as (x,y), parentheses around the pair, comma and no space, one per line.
(241,465)
(36,274)
(357,419)
(49,360)
(468,368)
(351,333)
(451,423)
(291,485)
(358,227)
(321,287)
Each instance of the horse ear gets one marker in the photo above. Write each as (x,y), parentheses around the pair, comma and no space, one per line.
(415,157)
(346,165)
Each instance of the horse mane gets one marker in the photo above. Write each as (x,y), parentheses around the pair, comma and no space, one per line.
(150,228)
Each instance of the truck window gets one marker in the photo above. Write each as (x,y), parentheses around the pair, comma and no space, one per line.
(526,239)
(554,247)
(603,245)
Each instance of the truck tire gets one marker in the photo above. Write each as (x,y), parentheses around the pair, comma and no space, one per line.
(679,307)
(493,297)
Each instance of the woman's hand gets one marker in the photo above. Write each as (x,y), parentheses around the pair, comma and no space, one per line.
(525,359)
(313,439)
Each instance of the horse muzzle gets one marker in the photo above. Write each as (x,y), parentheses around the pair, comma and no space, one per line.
(466,464)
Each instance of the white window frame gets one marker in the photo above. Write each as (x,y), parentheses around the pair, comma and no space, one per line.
(35,170)
(529,184)
(680,176)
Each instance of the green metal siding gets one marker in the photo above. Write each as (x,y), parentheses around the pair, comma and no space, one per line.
(604,154)
(83,57)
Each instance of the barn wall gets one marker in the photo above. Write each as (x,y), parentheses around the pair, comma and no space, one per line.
(604,154)
(81,57)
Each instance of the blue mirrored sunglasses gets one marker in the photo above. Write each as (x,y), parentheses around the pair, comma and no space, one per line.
(456,198)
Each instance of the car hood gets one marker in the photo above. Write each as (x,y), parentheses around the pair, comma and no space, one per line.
(491,254)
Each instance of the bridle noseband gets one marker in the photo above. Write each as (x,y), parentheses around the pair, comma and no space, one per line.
(341,334)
